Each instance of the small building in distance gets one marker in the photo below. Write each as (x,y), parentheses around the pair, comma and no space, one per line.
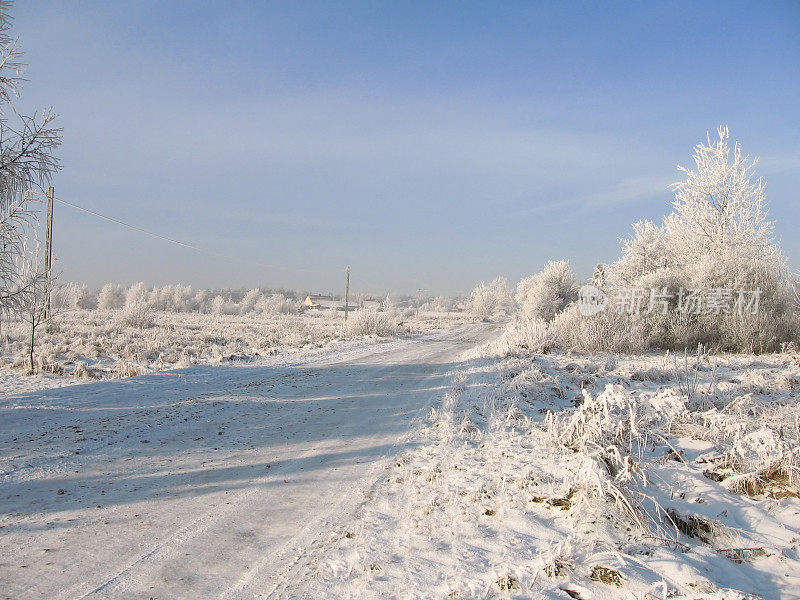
(319,302)
(315,302)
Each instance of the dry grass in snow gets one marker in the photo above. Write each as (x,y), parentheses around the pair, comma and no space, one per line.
(136,339)
(560,476)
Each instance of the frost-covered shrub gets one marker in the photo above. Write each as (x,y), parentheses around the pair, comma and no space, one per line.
(439,304)
(276,304)
(645,250)
(139,313)
(604,332)
(368,321)
(72,296)
(173,298)
(111,297)
(523,336)
(490,300)
(137,294)
(717,237)
(163,298)
(183,298)
(220,305)
(544,295)
(250,300)
(202,301)
(138,310)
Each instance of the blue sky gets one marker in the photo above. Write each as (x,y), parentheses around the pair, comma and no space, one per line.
(428,145)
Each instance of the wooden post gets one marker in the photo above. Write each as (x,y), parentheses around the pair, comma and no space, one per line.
(347,294)
(48,251)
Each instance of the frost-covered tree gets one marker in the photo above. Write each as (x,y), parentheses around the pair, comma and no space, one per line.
(202,300)
(32,303)
(111,297)
(163,298)
(138,310)
(276,304)
(137,294)
(719,208)
(73,295)
(249,301)
(544,295)
(718,237)
(184,297)
(27,163)
(645,250)
(221,305)
(17,227)
(718,232)
(490,300)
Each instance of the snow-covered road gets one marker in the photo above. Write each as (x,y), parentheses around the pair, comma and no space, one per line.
(206,482)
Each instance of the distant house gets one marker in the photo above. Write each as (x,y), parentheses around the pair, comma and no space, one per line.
(458,308)
(318,302)
(326,303)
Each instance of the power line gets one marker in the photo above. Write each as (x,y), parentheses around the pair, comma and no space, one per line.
(179,242)
(139,229)
(186,244)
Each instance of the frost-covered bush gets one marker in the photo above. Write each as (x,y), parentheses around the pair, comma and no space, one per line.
(646,250)
(544,295)
(718,237)
(183,298)
(163,298)
(368,321)
(220,305)
(138,311)
(137,294)
(173,298)
(439,304)
(139,314)
(603,332)
(250,300)
(202,301)
(523,336)
(276,304)
(72,296)
(490,300)
(111,297)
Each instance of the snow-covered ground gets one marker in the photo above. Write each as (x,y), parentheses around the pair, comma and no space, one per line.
(98,344)
(424,467)
(558,476)
(203,482)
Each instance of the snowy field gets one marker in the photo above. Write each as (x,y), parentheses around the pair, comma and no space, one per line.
(98,344)
(559,476)
(420,467)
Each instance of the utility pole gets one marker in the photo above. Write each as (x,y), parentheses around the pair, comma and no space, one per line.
(48,251)
(347,294)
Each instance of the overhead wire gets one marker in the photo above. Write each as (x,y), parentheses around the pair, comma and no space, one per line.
(187,245)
